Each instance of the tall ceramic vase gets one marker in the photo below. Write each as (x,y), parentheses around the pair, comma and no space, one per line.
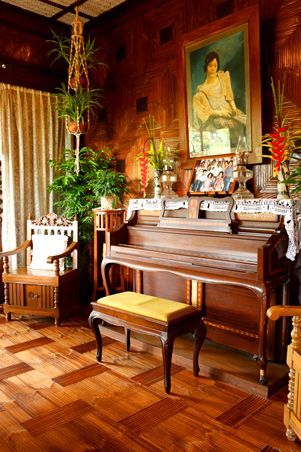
(282,188)
(157,184)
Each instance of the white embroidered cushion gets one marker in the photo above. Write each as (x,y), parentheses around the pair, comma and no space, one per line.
(44,246)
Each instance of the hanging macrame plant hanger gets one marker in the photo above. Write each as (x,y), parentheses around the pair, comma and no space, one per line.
(78,82)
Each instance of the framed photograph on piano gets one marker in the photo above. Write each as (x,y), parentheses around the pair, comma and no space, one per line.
(213,175)
(221,68)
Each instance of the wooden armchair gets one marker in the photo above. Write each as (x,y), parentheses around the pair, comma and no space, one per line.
(46,285)
(292,411)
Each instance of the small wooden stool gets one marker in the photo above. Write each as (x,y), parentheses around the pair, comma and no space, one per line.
(150,315)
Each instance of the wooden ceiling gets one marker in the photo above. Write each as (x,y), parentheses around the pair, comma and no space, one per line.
(64,10)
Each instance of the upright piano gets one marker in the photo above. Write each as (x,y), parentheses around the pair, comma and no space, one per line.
(231,266)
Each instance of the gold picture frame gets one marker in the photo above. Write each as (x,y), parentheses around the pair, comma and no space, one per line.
(216,111)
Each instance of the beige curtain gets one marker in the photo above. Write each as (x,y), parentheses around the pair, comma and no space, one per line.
(30,135)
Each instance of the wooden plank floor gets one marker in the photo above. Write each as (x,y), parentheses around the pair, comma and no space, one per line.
(54,396)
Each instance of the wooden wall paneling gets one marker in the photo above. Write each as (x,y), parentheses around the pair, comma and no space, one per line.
(24,49)
(282,52)
(135,28)
(288,51)
(198,13)
(152,70)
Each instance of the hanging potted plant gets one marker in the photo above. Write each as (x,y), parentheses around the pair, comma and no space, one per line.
(76,101)
(61,51)
(77,107)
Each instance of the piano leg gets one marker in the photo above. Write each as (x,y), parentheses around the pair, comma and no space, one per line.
(200,334)
(263,323)
(263,339)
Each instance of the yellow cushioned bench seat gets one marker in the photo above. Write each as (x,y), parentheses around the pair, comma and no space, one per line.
(155,316)
(147,306)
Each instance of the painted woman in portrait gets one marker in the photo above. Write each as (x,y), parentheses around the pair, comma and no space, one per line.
(214,105)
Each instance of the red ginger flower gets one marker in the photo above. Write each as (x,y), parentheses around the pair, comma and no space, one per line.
(143,160)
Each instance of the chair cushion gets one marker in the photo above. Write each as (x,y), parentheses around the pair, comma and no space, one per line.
(44,246)
(147,306)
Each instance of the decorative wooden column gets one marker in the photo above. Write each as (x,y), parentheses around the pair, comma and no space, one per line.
(292,410)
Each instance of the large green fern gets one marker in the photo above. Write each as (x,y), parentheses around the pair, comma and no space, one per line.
(78,194)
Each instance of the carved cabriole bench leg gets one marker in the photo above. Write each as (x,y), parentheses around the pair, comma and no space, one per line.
(94,322)
(167,349)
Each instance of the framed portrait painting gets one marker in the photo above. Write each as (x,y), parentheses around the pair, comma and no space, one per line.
(213,175)
(222,98)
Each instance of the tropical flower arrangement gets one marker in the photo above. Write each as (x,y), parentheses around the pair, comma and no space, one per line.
(156,154)
(279,142)
(282,141)
(150,155)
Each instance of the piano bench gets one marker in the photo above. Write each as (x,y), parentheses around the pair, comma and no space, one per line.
(155,316)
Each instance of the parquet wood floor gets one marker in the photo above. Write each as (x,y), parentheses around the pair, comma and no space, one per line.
(54,397)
